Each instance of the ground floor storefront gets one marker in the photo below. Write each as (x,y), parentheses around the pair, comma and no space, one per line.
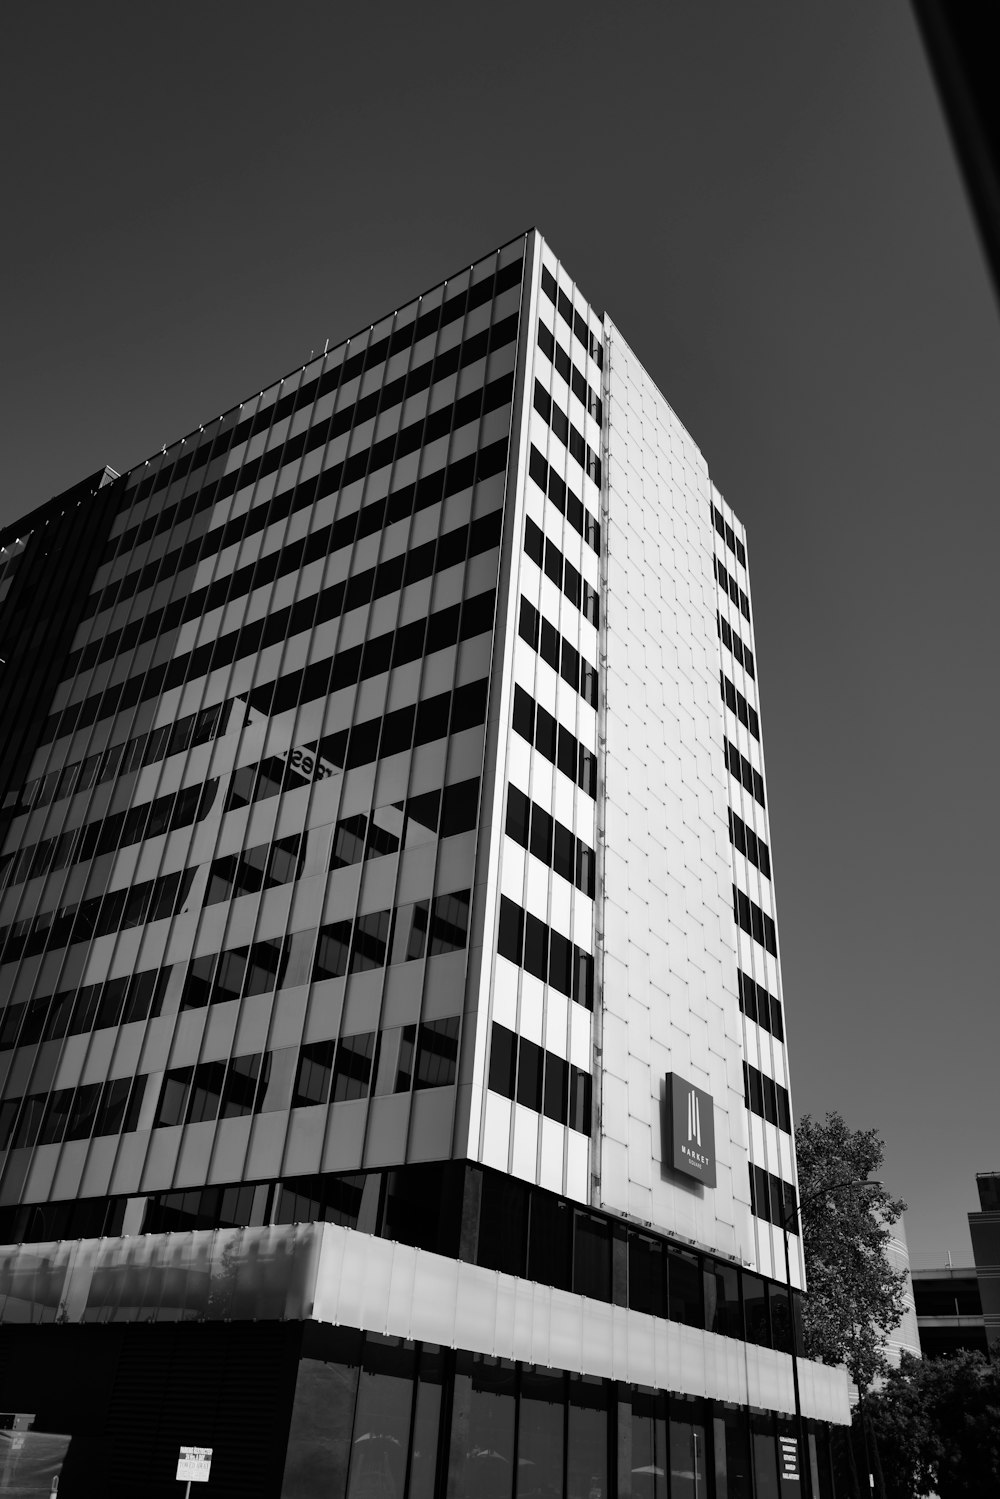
(317,1362)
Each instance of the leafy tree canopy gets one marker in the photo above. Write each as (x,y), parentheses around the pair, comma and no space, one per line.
(855,1297)
(938,1427)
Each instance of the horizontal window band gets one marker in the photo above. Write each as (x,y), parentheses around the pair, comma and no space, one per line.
(469,408)
(760,1006)
(306,395)
(738,705)
(729,536)
(545,953)
(773,1200)
(554,741)
(730,586)
(570,437)
(392,645)
(543,1082)
(434,718)
(558,652)
(81,1113)
(746,842)
(547,556)
(550,841)
(755,922)
(324,542)
(424,561)
(120,759)
(165,814)
(740,769)
(567,370)
(731,640)
(766,1098)
(551,483)
(577,324)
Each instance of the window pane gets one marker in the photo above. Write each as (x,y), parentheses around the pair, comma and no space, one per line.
(206,1091)
(540,1434)
(353,1067)
(312,1084)
(649,1447)
(587,1445)
(646,1283)
(688,1452)
(332,950)
(592,1257)
(449,922)
(437,1053)
(684,1283)
(371,939)
(488,1465)
(382,1422)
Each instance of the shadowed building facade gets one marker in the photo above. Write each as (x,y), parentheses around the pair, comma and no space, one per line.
(393,1083)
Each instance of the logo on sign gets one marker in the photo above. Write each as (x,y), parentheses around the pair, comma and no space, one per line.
(694,1118)
(691,1122)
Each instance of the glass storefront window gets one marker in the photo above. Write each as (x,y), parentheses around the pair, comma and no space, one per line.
(381,1437)
(649,1446)
(487,1461)
(540,1435)
(587,1440)
(765,1457)
(734,1480)
(426,1425)
(689,1456)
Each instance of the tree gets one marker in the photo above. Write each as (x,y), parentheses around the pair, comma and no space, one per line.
(855,1296)
(938,1427)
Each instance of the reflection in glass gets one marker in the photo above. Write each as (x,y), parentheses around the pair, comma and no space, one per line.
(765,1457)
(488,1459)
(382,1423)
(587,1445)
(737,1483)
(426,1422)
(688,1452)
(540,1435)
(649,1447)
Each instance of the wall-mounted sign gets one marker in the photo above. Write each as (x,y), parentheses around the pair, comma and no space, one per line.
(789,1449)
(691,1123)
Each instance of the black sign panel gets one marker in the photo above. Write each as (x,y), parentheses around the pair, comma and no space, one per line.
(789,1449)
(691,1121)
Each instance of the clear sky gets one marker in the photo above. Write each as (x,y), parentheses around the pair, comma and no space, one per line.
(764,198)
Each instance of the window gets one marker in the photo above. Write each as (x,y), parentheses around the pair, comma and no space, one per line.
(525,940)
(353,1067)
(449,925)
(332,950)
(370,943)
(315,1070)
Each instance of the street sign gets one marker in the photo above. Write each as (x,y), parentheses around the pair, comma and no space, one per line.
(194,1464)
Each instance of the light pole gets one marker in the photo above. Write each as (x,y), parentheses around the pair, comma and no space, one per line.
(796,1212)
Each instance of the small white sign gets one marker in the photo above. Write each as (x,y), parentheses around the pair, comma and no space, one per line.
(194,1464)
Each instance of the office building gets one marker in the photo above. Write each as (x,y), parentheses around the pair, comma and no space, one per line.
(394,1093)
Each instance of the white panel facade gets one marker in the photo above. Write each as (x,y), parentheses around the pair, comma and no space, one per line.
(669,994)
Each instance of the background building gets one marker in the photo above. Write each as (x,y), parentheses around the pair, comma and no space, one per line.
(906,1337)
(393,1035)
(949,1310)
